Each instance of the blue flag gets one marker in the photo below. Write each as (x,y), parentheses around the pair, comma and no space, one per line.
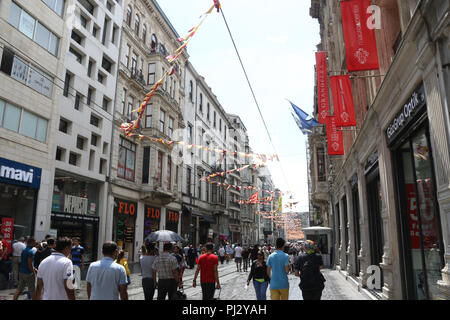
(301,125)
(305,118)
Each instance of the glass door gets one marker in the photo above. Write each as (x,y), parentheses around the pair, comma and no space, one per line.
(423,235)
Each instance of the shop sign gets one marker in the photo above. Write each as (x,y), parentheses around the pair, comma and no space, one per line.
(151,221)
(73,204)
(152,213)
(7,231)
(125,207)
(412,107)
(20,174)
(172,216)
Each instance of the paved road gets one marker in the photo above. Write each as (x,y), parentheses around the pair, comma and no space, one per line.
(336,287)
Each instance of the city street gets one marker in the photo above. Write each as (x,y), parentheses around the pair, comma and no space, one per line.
(336,288)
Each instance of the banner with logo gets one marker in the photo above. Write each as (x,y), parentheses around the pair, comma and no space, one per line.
(8,232)
(322,86)
(334,138)
(360,43)
(344,108)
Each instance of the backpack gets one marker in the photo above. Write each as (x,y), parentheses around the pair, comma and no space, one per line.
(310,275)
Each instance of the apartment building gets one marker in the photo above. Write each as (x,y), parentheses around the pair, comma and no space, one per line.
(145,185)
(32,52)
(389,195)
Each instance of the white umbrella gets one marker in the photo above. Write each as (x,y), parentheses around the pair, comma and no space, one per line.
(164,236)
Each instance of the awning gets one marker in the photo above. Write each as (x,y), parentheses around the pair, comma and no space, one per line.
(203,216)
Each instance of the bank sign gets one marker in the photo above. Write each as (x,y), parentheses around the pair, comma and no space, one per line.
(12,172)
(412,107)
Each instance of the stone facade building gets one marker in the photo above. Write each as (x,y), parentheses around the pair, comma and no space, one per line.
(388,197)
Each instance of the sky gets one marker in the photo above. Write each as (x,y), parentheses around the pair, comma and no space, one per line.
(276,41)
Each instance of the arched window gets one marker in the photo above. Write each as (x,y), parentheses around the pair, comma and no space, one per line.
(137,21)
(129,16)
(154,44)
(163,50)
(144,33)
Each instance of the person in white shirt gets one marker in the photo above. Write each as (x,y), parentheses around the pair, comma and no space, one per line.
(221,254)
(17,249)
(55,274)
(238,257)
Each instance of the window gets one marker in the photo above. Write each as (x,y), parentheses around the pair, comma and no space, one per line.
(102,168)
(94,121)
(220,125)
(146,165)
(124,97)
(56,5)
(114,35)
(321,174)
(105,104)
(144,33)
(207,111)
(95,31)
(87,5)
(154,43)
(162,116)
(127,55)
(73,159)
(201,103)
(199,184)
(148,116)
(170,127)
(89,70)
(66,85)
(130,106)
(76,55)
(109,6)
(151,73)
(105,30)
(129,16)
(188,181)
(59,153)
(169,172)
(191,91)
(106,64)
(76,37)
(137,21)
(63,125)
(89,96)
(160,156)
(94,140)
(83,21)
(189,133)
(100,77)
(127,159)
(80,142)
(77,101)
(33,126)
(133,63)
(214,119)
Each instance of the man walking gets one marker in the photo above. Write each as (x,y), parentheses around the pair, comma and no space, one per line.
(209,275)
(221,254)
(107,280)
(166,266)
(27,272)
(18,247)
(238,257)
(46,252)
(55,273)
(77,256)
(278,265)
(307,267)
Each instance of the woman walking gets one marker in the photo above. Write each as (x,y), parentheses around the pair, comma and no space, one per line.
(178,254)
(122,261)
(258,273)
(148,282)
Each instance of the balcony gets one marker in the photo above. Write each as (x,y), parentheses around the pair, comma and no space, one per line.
(138,77)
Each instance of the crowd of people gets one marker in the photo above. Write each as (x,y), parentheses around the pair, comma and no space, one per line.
(52,269)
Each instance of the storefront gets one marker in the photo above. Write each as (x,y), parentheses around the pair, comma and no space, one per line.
(420,234)
(19,187)
(75,206)
(152,218)
(172,218)
(124,225)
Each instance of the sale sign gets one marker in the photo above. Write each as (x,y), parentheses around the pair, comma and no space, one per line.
(360,43)
(8,232)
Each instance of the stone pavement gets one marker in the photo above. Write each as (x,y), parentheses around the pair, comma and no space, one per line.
(336,287)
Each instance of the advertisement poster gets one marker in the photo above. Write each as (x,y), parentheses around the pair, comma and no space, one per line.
(8,232)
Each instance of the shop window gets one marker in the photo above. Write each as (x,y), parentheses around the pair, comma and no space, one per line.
(127,160)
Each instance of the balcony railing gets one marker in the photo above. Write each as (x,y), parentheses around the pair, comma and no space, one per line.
(138,77)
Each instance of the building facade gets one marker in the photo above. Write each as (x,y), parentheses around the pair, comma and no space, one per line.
(389,195)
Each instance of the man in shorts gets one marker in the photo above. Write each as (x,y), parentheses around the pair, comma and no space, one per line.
(238,257)
(27,272)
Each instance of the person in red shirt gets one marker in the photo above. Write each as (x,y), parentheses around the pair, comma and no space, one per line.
(209,275)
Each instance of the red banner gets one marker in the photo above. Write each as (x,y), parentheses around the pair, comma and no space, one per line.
(334,138)
(8,231)
(322,86)
(344,108)
(360,43)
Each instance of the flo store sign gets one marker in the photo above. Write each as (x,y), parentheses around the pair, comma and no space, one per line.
(410,109)
(17,173)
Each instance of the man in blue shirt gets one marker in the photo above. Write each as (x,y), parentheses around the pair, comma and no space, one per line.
(278,264)
(27,272)
(106,280)
(77,257)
